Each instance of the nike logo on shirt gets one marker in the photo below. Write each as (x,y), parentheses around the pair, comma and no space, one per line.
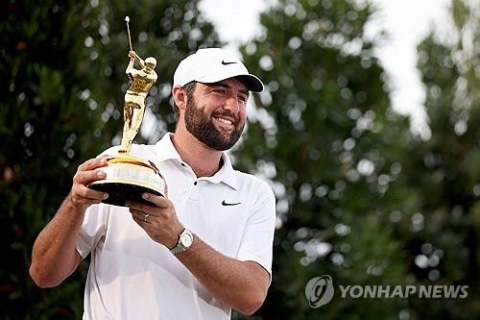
(226,63)
(226,204)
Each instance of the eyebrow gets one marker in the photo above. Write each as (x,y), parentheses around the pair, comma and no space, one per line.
(224,85)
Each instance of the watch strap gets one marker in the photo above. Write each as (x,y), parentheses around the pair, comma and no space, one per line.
(180,247)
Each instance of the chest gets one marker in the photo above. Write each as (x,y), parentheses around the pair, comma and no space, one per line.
(214,211)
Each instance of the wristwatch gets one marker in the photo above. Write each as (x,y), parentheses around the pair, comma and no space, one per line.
(185,240)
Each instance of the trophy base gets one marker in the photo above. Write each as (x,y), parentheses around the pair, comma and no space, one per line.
(127,178)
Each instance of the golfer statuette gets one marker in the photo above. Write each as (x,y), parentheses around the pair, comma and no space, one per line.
(128,177)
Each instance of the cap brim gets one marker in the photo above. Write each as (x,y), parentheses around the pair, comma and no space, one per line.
(252,82)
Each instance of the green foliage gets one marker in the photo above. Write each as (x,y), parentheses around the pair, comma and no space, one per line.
(62,67)
(333,149)
(445,168)
(359,198)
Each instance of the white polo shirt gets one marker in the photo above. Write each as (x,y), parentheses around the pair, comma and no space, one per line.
(132,277)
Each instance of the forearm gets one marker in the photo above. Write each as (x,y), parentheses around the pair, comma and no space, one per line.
(231,281)
(241,285)
(54,255)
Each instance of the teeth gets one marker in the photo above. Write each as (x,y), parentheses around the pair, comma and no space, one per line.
(225,120)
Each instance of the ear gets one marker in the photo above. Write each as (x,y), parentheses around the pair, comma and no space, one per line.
(180,97)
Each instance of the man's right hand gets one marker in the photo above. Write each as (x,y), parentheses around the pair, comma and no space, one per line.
(81,196)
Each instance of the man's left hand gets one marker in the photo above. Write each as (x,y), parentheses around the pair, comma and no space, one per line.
(159,219)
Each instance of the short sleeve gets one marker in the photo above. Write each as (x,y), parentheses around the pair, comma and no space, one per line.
(257,241)
(93,228)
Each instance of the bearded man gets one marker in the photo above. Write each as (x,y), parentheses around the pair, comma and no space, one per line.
(199,252)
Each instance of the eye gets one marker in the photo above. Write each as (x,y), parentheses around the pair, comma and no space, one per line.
(242,99)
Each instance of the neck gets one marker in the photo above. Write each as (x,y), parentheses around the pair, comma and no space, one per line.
(204,161)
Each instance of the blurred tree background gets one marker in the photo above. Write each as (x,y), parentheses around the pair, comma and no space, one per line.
(359,197)
(443,170)
(334,150)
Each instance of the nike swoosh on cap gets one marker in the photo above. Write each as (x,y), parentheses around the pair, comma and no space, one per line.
(226,63)
(226,204)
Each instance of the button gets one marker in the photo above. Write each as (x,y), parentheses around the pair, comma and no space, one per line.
(195,183)
(183,164)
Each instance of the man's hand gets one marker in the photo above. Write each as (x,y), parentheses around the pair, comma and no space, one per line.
(81,196)
(242,285)
(158,219)
(54,254)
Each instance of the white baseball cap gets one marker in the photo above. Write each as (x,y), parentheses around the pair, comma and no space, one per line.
(213,65)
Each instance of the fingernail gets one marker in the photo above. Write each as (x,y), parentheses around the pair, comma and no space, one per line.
(100,174)
(105,196)
(145,196)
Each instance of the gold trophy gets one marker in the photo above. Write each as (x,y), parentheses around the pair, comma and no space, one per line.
(128,177)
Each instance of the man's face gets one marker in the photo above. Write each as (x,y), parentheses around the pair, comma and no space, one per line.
(216,113)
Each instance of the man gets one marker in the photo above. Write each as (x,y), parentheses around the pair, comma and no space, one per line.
(134,108)
(206,248)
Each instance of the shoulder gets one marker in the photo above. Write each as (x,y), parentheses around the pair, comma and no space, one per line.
(110,151)
(142,150)
(253,184)
(243,177)
(258,195)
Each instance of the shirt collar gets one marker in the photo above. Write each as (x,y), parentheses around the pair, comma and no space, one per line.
(165,150)
(226,174)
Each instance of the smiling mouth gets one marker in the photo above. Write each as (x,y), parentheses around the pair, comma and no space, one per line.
(225,121)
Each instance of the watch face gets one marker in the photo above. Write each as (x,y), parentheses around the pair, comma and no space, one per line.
(186,239)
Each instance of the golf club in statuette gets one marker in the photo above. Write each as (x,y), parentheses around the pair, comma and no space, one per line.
(128,177)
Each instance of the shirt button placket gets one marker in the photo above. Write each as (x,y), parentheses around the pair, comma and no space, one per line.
(194,192)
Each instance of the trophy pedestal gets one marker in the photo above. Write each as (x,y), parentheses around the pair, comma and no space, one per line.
(128,178)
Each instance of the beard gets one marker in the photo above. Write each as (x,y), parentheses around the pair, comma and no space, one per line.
(200,125)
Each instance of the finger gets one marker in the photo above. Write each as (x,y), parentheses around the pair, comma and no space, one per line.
(139,221)
(141,207)
(89,194)
(158,201)
(83,201)
(94,163)
(80,199)
(139,218)
(87,177)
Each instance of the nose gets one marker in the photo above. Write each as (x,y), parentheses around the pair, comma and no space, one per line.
(232,104)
